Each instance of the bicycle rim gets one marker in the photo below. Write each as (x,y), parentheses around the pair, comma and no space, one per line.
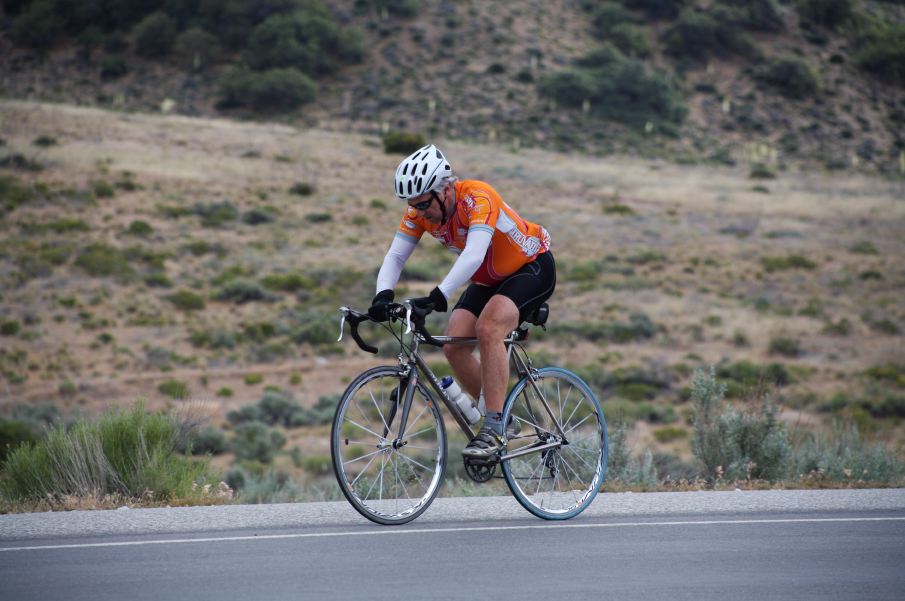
(385,483)
(559,483)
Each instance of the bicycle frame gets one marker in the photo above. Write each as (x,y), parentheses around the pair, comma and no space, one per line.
(415,365)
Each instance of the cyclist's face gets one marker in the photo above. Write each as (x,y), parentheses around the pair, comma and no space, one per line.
(427,207)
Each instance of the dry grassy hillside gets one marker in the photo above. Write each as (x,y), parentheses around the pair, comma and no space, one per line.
(140,249)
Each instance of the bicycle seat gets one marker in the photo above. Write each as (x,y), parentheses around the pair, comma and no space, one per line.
(539,316)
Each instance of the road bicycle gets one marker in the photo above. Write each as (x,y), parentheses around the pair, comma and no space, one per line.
(388,441)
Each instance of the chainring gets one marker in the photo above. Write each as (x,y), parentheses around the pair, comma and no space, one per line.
(479,471)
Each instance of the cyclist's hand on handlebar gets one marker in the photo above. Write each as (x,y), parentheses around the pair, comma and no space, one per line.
(434,301)
(379,309)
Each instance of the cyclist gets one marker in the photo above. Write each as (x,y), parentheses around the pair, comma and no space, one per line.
(506,258)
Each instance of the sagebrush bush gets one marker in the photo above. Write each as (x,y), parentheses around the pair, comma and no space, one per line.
(102,260)
(617,88)
(882,53)
(255,441)
(843,456)
(129,453)
(271,90)
(154,35)
(186,300)
(400,142)
(699,35)
(197,49)
(790,76)
(828,13)
(733,444)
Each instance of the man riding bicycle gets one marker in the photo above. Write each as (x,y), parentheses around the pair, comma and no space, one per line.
(506,258)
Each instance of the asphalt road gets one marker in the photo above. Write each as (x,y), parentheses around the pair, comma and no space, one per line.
(807,545)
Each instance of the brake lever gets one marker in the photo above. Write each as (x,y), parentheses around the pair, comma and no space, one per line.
(408,317)
(342,322)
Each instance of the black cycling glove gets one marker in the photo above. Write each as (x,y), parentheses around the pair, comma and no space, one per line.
(379,306)
(434,300)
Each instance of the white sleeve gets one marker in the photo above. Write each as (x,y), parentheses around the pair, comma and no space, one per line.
(400,250)
(468,262)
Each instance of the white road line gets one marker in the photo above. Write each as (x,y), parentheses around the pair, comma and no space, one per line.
(389,531)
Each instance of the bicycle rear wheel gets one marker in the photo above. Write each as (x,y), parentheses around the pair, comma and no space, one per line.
(387,483)
(560,482)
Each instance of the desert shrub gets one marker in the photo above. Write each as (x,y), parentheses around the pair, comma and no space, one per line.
(140,228)
(658,9)
(288,282)
(631,40)
(760,15)
(127,453)
(186,300)
(257,217)
(13,193)
(844,456)
(761,171)
(157,279)
(624,469)
(58,226)
(14,433)
(319,465)
(785,346)
(196,49)
(828,13)
(174,389)
(393,8)
(608,15)
(154,35)
(734,444)
(102,189)
(243,291)
(772,264)
(103,260)
(270,486)
(254,441)
(271,90)
(668,434)
(882,53)
(44,141)
(400,142)
(209,441)
(113,67)
(790,76)
(743,376)
(9,327)
(864,247)
(699,35)
(639,327)
(309,42)
(617,88)
(302,189)
(39,26)
(38,415)
(215,214)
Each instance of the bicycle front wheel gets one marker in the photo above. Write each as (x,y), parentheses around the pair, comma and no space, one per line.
(561,479)
(387,480)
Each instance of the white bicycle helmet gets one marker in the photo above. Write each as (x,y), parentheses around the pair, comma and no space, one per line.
(422,172)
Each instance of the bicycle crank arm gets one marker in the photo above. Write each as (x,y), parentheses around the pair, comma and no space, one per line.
(529,450)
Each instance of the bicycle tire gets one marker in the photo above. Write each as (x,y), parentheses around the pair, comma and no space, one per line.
(560,483)
(385,484)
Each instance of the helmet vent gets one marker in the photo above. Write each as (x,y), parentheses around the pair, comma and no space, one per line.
(431,182)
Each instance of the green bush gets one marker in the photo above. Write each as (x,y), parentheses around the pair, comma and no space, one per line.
(288,282)
(254,441)
(127,453)
(844,456)
(759,15)
(103,260)
(14,193)
(733,444)
(658,9)
(302,189)
(14,433)
(186,300)
(243,291)
(196,49)
(272,90)
(215,214)
(308,42)
(790,76)
(617,88)
(624,469)
(113,67)
(140,228)
(9,327)
(883,53)
(699,35)
(772,264)
(398,142)
(828,13)
(209,441)
(39,26)
(174,389)
(154,35)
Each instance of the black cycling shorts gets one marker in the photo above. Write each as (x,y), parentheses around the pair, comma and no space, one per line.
(528,288)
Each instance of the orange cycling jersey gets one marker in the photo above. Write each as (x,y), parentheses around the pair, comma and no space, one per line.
(514,243)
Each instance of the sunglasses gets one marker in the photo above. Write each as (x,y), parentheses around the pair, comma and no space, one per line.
(423,205)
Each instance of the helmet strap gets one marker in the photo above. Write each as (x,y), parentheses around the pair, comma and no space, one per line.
(442,208)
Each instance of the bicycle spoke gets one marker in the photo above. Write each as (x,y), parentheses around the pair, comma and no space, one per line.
(362,457)
(379,412)
(586,418)
(369,431)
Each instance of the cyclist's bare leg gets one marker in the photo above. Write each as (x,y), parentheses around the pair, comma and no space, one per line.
(461,358)
(498,318)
